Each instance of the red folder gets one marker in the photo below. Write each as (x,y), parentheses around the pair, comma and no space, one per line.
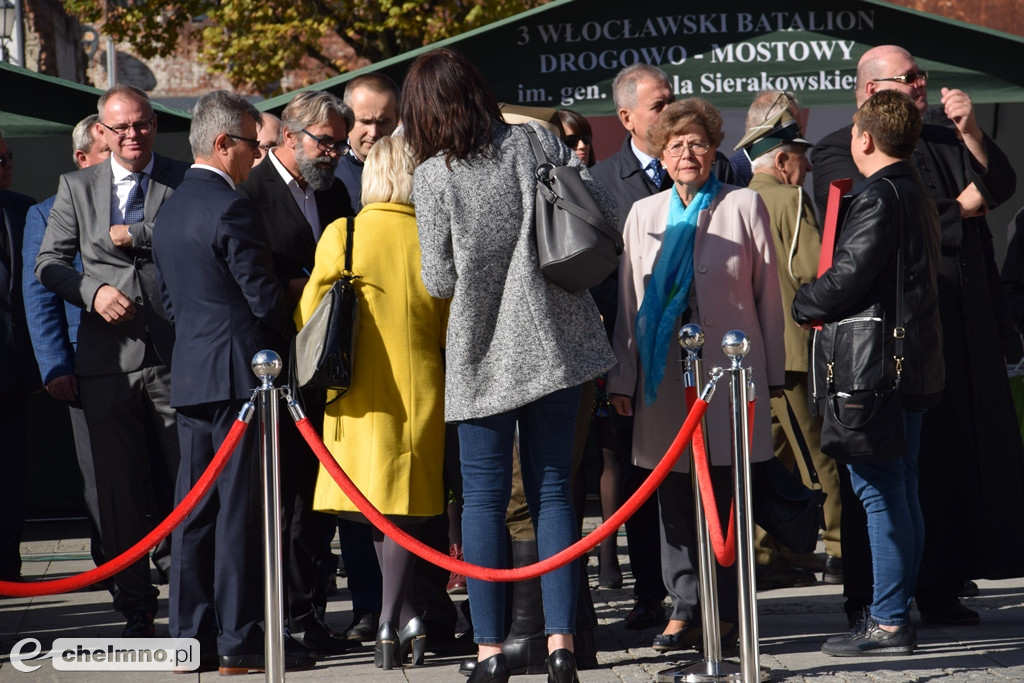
(836,190)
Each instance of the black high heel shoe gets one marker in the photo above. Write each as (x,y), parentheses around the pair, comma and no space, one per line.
(494,669)
(413,640)
(562,667)
(385,650)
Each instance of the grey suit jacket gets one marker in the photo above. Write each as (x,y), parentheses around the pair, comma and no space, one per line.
(80,223)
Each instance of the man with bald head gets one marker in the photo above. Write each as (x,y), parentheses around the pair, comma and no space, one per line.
(972,458)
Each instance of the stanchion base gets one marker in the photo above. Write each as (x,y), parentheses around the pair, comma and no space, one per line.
(707,672)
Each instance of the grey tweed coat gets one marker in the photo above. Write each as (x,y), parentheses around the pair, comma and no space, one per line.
(513,336)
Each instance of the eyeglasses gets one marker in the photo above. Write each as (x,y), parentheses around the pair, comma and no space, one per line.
(338,148)
(697,149)
(6,159)
(572,141)
(121,130)
(253,142)
(909,78)
(267,146)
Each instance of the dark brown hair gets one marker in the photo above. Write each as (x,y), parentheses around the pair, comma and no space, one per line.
(578,123)
(678,116)
(893,120)
(447,107)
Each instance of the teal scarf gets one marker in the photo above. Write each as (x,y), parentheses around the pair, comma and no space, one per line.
(668,290)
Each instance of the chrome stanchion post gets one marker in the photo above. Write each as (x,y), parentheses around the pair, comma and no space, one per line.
(267,366)
(711,668)
(736,345)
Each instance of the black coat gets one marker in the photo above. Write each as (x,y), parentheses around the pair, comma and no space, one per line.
(18,370)
(289,234)
(863,274)
(972,457)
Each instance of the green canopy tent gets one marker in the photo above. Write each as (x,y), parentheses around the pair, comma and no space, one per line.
(567,52)
(38,114)
(39,105)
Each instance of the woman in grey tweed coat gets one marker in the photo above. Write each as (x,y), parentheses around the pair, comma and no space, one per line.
(519,347)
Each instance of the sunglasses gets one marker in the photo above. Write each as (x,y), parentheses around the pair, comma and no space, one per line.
(907,78)
(572,141)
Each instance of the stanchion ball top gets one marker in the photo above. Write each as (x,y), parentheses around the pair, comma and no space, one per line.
(691,336)
(735,344)
(266,363)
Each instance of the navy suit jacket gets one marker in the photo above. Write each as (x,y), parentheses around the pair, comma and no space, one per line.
(219,289)
(290,236)
(52,322)
(17,364)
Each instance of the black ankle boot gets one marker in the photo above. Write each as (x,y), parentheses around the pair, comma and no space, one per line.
(526,645)
(491,670)
(562,667)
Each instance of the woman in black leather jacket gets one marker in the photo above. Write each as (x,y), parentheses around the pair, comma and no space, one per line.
(890,201)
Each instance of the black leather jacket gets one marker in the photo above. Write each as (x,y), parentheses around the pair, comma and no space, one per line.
(863,274)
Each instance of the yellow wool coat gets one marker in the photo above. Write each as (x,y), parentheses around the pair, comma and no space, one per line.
(387,432)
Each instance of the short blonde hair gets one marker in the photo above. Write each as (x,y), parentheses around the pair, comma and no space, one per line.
(387,173)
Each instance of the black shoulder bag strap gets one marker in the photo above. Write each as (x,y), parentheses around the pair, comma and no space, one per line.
(899,332)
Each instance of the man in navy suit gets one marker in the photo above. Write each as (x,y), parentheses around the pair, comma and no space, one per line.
(17,371)
(53,323)
(105,214)
(225,303)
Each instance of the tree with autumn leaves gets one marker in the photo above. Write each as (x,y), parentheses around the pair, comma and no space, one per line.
(254,42)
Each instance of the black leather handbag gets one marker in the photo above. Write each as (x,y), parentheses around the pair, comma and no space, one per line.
(863,416)
(323,353)
(576,247)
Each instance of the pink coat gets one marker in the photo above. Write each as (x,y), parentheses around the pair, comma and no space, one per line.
(735,287)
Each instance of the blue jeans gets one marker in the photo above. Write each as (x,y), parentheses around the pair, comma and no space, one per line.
(888,490)
(546,431)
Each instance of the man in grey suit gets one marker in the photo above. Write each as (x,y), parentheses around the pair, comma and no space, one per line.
(106,214)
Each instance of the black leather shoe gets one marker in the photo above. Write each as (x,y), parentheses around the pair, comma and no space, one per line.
(231,665)
(527,656)
(781,574)
(645,615)
(363,627)
(492,670)
(319,639)
(413,641)
(833,573)
(562,667)
(689,637)
(386,648)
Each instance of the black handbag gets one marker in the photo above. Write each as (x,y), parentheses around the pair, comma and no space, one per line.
(863,416)
(789,511)
(576,247)
(323,352)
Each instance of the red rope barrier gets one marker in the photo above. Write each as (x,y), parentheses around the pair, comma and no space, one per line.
(563,557)
(137,551)
(724,547)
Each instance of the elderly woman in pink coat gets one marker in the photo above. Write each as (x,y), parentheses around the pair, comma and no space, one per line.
(699,252)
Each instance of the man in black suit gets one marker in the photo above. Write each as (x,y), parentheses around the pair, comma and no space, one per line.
(297,195)
(18,374)
(971,450)
(220,293)
(106,213)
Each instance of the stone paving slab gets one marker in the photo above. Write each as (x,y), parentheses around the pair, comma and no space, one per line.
(792,623)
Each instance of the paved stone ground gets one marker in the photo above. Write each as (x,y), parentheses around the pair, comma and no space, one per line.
(793,623)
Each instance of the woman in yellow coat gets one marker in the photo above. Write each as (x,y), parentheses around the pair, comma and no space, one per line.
(387,432)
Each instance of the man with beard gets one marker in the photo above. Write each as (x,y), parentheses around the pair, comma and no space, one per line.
(298,196)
